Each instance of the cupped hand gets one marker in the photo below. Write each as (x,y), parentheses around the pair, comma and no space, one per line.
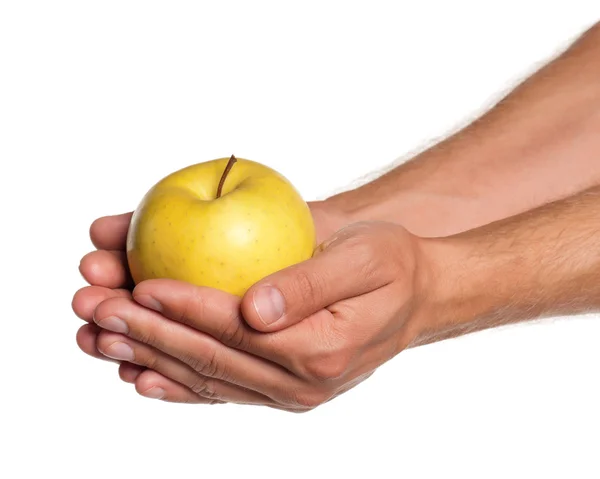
(331,321)
(106,271)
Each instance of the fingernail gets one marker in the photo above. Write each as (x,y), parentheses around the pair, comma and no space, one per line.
(112,323)
(154,393)
(269,304)
(148,301)
(120,351)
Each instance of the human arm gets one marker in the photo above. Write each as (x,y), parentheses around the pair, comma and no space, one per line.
(433,194)
(346,317)
(538,144)
(545,262)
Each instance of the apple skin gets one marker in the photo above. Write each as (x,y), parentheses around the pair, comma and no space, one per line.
(258,226)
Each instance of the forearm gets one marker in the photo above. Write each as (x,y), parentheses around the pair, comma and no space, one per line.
(538,144)
(545,262)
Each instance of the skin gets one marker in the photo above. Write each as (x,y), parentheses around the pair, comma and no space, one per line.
(538,144)
(106,271)
(520,214)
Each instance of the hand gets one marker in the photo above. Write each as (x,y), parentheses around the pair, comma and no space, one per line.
(107,273)
(357,303)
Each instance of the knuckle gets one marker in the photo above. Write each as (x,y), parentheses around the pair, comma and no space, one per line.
(376,251)
(310,399)
(211,365)
(149,361)
(147,336)
(326,368)
(198,385)
(234,333)
(308,287)
(368,255)
(361,244)
(193,362)
(329,358)
(206,365)
(372,268)
(204,387)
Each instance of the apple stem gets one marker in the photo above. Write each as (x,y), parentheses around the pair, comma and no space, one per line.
(230,163)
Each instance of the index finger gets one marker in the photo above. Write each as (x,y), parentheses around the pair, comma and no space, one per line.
(110,232)
(217,314)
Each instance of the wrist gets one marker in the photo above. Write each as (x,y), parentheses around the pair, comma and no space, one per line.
(457,292)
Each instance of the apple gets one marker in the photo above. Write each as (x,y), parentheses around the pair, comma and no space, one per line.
(225,224)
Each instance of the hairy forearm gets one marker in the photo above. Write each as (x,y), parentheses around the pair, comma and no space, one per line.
(545,262)
(538,144)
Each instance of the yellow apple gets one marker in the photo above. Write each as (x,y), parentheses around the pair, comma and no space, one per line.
(225,224)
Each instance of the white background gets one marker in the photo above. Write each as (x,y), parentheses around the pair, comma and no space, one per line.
(98,100)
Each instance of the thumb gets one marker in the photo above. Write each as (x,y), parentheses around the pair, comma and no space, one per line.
(350,265)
